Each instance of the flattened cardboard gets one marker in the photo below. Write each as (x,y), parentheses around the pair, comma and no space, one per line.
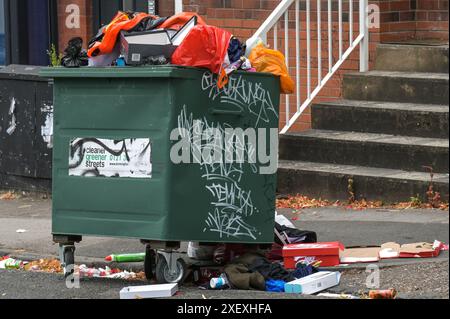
(360,255)
(415,250)
(390,251)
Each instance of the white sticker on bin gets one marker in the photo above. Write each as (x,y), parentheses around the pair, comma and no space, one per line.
(93,157)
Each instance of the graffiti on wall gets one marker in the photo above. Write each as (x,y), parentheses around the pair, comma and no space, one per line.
(92,157)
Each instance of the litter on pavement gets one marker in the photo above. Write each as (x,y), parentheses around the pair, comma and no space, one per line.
(147,292)
(126,258)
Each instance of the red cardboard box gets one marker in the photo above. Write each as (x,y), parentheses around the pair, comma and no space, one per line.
(327,253)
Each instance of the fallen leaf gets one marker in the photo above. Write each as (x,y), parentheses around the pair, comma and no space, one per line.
(8,196)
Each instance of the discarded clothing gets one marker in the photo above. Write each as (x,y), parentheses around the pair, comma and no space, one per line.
(270,270)
(293,236)
(235,50)
(242,278)
(275,285)
(303,271)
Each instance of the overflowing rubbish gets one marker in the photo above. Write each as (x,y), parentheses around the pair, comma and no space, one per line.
(54,266)
(126,258)
(108,273)
(148,292)
(139,39)
(314,283)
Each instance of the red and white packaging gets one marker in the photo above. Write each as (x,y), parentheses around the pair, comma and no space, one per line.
(326,253)
(417,250)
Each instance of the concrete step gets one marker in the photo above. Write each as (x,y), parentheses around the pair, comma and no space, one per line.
(402,87)
(366,149)
(412,58)
(407,119)
(330,181)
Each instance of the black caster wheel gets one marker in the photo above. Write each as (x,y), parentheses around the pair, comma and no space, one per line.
(69,262)
(149,263)
(163,275)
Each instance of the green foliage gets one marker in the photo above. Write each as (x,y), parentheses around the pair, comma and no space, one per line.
(55,58)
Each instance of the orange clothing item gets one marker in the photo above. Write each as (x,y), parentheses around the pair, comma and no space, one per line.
(177,21)
(121,22)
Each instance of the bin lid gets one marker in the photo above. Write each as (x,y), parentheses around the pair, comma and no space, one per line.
(164,71)
(22,72)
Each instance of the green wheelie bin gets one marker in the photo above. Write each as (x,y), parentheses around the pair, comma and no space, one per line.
(162,155)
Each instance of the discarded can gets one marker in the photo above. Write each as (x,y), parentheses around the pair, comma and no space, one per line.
(383,294)
(219,283)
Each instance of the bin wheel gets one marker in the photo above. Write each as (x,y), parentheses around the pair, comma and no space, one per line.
(163,276)
(69,262)
(149,263)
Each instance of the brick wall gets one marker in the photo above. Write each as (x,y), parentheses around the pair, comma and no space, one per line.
(414,20)
(68,26)
(432,19)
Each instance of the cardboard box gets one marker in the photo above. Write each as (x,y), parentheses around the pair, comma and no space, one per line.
(360,255)
(147,292)
(137,47)
(314,283)
(327,253)
(417,250)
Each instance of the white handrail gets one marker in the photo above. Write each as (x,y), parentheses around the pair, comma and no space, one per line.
(274,17)
(282,13)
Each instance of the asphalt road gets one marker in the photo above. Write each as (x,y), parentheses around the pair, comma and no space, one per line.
(415,278)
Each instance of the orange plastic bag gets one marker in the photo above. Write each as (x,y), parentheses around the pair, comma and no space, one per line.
(121,22)
(204,47)
(177,21)
(271,61)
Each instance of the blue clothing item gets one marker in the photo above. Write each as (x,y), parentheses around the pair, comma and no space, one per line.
(275,285)
(235,50)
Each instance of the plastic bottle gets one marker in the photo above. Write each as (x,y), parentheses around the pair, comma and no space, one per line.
(219,283)
(128,258)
